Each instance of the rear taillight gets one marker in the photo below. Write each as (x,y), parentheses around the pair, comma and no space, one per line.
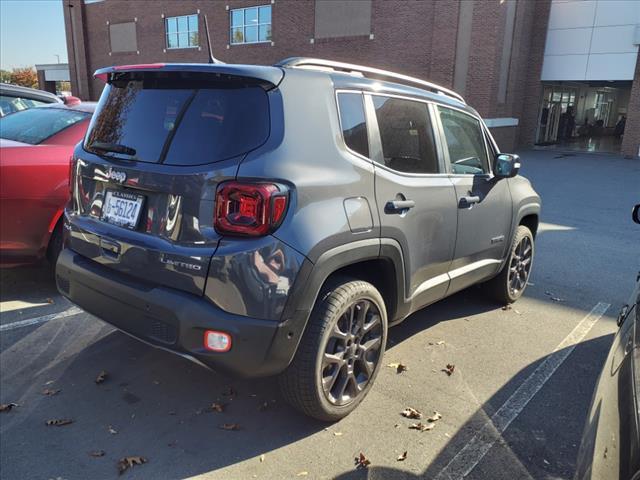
(249,209)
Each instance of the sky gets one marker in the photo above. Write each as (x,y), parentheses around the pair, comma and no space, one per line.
(31,32)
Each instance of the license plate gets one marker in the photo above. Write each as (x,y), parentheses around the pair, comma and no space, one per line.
(121,208)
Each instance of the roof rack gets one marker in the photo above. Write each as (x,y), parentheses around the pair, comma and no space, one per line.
(293,62)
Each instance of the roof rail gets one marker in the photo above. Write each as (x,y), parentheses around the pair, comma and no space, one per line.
(293,62)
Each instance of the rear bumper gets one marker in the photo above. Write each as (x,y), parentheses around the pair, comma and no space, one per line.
(175,320)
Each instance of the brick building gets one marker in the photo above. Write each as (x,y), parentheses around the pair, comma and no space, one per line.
(505,56)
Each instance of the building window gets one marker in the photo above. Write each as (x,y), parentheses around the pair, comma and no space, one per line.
(122,37)
(182,32)
(251,25)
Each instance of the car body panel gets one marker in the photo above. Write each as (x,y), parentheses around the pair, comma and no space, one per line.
(34,189)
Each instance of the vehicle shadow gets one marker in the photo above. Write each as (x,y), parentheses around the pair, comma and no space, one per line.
(159,404)
(532,447)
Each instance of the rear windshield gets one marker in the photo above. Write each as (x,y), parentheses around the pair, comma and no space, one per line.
(178,120)
(35,125)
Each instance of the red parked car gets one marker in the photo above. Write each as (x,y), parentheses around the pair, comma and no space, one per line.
(35,148)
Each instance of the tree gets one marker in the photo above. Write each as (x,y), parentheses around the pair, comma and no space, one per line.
(27,77)
(5,76)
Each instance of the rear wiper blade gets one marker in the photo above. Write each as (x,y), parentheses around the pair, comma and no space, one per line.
(113,147)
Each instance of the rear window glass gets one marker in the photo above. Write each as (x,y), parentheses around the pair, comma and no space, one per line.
(179,122)
(35,125)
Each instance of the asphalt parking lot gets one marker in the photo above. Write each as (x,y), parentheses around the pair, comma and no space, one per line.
(513,408)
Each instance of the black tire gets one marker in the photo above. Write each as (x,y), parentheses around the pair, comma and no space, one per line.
(55,245)
(308,384)
(504,288)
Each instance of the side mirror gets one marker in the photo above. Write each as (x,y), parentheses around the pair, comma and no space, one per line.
(506,165)
(635,213)
(70,100)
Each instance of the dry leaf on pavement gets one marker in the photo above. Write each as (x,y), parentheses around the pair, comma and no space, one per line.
(112,430)
(423,427)
(400,367)
(128,462)
(403,457)
(362,461)
(50,391)
(302,474)
(337,434)
(6,407)
(261,458)
(97,453)
(217,407)
(101,377)
(411,413)
(449,369)
(229,426)
(435,417)
(59,422)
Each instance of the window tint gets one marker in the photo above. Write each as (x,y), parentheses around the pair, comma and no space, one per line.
(354,126)
(35,125)
(188,122)
(465,141)
(406,135)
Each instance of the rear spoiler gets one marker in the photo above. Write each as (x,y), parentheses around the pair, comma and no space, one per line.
(263,74)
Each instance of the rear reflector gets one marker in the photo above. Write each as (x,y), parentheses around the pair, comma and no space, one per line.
(217,341)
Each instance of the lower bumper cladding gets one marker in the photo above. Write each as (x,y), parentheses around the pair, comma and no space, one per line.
(180,322)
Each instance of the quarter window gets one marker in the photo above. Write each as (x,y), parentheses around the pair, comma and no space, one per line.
(465,141)
(182,32)
(251,25)
(407,137)
(354,125)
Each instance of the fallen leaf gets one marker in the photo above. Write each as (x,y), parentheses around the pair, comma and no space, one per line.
(400,367)
(558,299)
(545,461)
(411,413)
(50,300)
(362,461)
(97,453)
(59,422)
(229,426)
(302,474)
(449,369)
(506,307)
(6,407)
(518,312)
(50,391)
(128,462)
(49,383)
(337,434)
(435,417)
(403,457)
(441,342)
(396,425)
(261,458)
(423,427)
(217,407)
(101,377)
(112,430)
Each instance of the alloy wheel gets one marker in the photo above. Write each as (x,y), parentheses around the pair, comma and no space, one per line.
(520,265)
(352,352)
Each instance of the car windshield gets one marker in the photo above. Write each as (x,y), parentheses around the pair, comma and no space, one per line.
(35,125)
(174,121)
(16,104)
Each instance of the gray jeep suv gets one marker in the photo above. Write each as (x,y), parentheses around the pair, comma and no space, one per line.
(265,220)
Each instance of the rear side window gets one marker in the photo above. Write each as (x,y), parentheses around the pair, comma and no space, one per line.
(407,137)
(352,119)
(465,141)
(35,125)
(176,122)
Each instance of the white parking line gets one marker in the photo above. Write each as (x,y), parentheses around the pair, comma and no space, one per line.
(466,459)
(45,318)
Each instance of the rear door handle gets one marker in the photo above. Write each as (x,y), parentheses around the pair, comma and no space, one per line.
(399,206)
(466,202)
